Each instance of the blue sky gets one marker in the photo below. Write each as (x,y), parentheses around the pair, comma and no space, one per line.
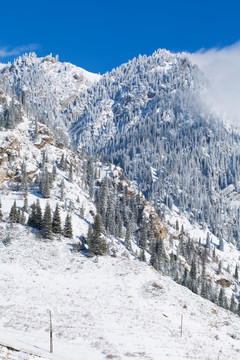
(100,35)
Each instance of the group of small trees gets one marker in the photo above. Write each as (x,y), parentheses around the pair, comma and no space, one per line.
(16,215)
(11,115)
(48,224)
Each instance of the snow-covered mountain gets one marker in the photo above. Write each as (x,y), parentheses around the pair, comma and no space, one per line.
(147,117)
(49,87)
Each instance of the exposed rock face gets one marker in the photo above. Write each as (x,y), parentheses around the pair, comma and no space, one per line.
(224,283)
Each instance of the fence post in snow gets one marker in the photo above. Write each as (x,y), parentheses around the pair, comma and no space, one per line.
(181,325)
(51,339)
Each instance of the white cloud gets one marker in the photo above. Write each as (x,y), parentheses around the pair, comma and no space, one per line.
(18,50)
(222,67)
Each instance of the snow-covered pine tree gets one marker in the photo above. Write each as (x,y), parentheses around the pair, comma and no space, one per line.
(1,215)
(56,223)
(32,217)
(142,243)
(47,223)
(25,204)
(70,175)
(62,187)
(67,231)
(98,245)
(38,217)
(13,213)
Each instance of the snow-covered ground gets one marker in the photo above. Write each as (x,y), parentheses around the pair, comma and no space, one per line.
(103,308)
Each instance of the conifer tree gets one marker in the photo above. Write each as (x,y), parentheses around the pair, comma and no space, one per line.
(98,245)
(22,218)
(70,176)
(54,172)
(142,255)
(82,212)
(236,272)
(56,223)
(18,216)
(47,223)
(62,187)
(222,298)
(45,185)
(32,217)
(143,236)
(233,305)
(62,161)
(161,255)
(153,257)
(38,216)
(67,231)
(177,225)
(221,244)
(128,238)
(24,178)
(1,215)
(25,205)
(89,241)
(13,213)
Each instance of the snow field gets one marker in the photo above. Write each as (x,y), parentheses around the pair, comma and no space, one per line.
(104,307)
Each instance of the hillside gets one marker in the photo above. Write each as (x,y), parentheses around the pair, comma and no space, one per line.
(105,308)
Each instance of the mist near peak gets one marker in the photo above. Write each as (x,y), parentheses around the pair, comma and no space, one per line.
(222,68)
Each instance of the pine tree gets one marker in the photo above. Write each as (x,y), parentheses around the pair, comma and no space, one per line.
(98,245)
(43,163)
(208,241)
(162,255)
(45,185)
(62,161)
(221,244)
(70,176)
(153,257)
(25,205)
(82,212)
(233,305)
(142,255)
(89,241)
(18,216)
(56,223)
(24,178)
(47,223)
(193,271)
(222,298)
(13,213)
(67,231)
(143,236)
(62,187)
(177,225)
(38,217)
(32,217)
(54,172)
(22,218)
(128,238)
(1,215)
(236,272)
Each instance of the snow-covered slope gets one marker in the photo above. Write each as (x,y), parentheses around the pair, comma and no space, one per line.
(104,308)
